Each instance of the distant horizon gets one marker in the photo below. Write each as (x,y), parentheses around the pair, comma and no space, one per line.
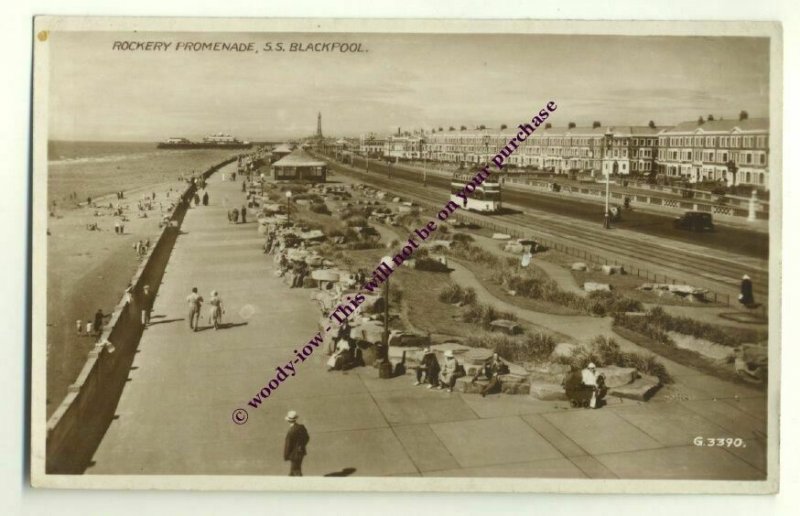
(386,134)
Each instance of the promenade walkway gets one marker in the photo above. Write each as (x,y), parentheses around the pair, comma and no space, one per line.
(174,416)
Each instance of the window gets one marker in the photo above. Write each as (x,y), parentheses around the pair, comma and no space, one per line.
(748,158)
(762,159)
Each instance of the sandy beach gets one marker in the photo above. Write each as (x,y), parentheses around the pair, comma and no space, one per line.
(87,269)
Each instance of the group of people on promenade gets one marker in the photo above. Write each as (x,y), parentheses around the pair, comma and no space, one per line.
(195,302)
(444,376)
(94,325)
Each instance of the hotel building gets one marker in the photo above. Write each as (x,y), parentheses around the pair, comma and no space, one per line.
(729,151)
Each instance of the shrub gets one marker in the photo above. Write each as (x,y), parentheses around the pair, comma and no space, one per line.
(357,221)
(643,325)
(455,294)
(451,294)
(483,315)
(526,348)
(462,238)
(320,208)
(605,351)
(429,264)
(657,323)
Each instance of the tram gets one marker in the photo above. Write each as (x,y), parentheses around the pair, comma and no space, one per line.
(485,199)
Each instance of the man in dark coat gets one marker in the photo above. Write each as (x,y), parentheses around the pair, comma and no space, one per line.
(746,292)
(295,447)
(492,371)
(428,369)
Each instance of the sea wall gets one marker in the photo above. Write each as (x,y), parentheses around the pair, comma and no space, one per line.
(75,429)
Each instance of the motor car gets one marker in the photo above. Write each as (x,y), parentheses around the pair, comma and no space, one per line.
(694,221)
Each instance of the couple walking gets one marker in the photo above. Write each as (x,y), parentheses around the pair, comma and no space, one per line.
(195,302)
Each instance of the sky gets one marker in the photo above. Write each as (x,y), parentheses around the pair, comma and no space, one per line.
(410,81)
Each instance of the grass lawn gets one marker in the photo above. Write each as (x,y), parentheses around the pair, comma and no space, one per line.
(625,284)
(686,358)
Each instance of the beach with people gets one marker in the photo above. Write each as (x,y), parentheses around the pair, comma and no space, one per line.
(94,247)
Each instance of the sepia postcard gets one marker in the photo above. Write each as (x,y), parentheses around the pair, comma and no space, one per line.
(416,255)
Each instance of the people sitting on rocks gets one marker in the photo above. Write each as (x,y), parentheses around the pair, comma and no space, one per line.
(451,371)
(346,355)
(300,271)
(585,388)
(492,371)
(428,369)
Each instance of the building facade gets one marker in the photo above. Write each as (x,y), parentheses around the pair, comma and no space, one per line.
(726,151)
(729,152)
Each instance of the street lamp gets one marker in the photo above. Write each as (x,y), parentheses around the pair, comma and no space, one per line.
(607,217)
(288,198)
(385,367)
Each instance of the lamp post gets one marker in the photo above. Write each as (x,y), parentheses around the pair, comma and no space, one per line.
(367,171)
(384,364)
(607,216)
(288,198)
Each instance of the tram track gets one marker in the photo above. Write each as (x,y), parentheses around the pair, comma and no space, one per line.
(697,267)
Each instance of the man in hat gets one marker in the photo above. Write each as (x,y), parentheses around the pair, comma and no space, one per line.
(195,302)
(295,446)
(450,371)
(428,369)
(589,379)
(492,370)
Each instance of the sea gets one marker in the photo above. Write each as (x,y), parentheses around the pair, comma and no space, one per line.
(77,170)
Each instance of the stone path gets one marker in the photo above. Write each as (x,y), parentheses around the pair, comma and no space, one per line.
(174,416)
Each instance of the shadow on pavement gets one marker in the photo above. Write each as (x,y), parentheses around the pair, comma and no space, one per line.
(346,472)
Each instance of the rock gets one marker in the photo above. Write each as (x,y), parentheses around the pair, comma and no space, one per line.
(548,391)
(515,388)
(369,330)
(552,373)
(404,339)
(564,349)
(457,349)
(612,269)
(513,247)
(512,293)
(579,266)
(617,376)
(505,326)
(413,355)
(440,243)
(476,356)
(325,275)
(591,286)
(514,384)
(395,199)
(309,283)
(404,209)
(501,236)
(465,385)
(640,390)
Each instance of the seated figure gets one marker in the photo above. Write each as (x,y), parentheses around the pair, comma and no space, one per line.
(428,369)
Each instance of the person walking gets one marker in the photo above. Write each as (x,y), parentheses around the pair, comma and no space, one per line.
(79,327)
(205,198)
(146,305)
(216,309)
(294,449)
(99,317)
(195,301)
(244,214)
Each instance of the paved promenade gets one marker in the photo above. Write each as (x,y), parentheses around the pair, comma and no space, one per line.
(174,416)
